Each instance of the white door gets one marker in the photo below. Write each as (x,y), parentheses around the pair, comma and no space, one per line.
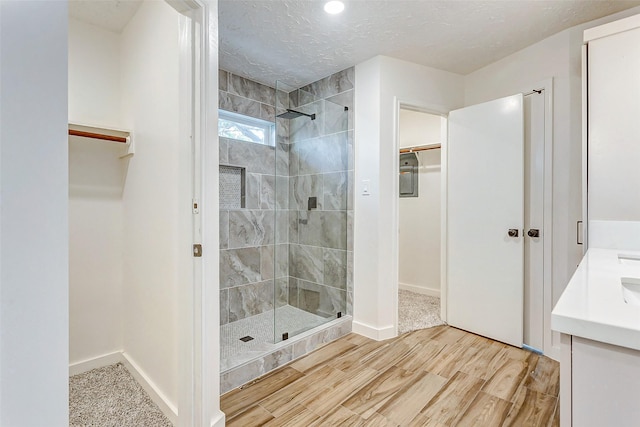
(485,204)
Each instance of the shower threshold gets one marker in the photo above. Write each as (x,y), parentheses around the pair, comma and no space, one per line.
(288,319)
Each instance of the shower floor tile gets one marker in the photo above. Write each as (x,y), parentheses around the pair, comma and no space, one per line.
(234,351)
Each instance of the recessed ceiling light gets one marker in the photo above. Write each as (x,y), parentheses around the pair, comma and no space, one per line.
(334,7)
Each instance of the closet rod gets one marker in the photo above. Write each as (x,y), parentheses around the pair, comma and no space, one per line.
(422,148)
(104,137)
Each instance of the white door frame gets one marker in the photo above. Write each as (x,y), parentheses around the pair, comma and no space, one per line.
(437,111)
(199,359)
(551,339)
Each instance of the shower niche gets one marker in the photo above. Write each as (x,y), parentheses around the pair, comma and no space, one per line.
(232,187)
(284,263)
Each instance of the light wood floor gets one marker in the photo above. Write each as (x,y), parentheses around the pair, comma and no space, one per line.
(434,377)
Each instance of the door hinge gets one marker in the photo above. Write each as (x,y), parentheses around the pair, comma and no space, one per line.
(195,206)
(197,250)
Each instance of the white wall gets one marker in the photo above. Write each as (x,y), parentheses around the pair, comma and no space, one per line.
(95,196)
(419,220)
(559,57)
(382,83)
(94,75)
(614,106)
(95,277)
(33,220)
(152,245)
(418,128)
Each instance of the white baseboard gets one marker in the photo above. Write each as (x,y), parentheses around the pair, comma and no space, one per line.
(165,405)
(94,363)
(369,331)
(419,290)
(219,420)
(168,409)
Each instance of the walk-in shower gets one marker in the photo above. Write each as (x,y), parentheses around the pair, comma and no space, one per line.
(284,258)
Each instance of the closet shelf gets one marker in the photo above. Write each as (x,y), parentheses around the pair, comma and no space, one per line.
(74,132)
(420,148)
(110,135)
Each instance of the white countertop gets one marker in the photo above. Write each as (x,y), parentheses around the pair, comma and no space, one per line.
(592,305)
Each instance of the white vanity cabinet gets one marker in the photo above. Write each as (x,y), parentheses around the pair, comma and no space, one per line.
(600,342)
(606,384)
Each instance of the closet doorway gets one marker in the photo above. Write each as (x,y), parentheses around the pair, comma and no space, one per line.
(136,110)
(420,135)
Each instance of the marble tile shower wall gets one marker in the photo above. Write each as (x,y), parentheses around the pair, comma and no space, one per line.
(321,166)
(250,236)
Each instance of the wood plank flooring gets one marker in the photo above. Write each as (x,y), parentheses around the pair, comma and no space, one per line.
(440,377)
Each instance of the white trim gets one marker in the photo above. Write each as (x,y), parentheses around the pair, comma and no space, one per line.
(395,218)
(585,147)
(94,363)
(612,28)
(444,171)
(565,405)
(551,348)
(219,421)
(436,110)
(199,357)
(207,334)
(163,402)
(377,334)
(187,299)
(419,290)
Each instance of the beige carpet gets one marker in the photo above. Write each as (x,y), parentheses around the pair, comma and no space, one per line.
(110,397)
(417,311)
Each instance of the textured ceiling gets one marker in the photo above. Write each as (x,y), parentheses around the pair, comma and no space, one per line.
(296,42)
(112,15)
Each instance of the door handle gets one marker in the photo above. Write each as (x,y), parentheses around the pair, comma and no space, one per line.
(533,232)
(513,232)
(578,234)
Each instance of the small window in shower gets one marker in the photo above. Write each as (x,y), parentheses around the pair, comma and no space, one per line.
(245,128)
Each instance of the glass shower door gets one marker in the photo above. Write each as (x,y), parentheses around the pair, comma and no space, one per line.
(311,211)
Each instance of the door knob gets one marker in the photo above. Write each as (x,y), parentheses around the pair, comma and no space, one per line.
(533,232)
(513,232)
